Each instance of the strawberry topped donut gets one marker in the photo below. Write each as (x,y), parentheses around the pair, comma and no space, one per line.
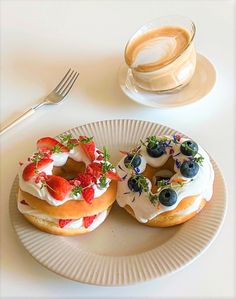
(166,180)
(67,186)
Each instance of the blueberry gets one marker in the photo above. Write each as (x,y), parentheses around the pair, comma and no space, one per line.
(157,150)
(168,197)
(133,186)
(132,160)
(189,148)
(138,183)
(189,169)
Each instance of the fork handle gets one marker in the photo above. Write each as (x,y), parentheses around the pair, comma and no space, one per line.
(17,120)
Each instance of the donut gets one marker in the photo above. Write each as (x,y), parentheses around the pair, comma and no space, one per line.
(67,187)
(165,180)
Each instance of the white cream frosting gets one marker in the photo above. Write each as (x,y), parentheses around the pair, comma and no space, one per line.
(200,185)
(75,223)
(59,159)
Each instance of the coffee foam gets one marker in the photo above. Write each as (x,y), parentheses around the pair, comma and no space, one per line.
(156,48)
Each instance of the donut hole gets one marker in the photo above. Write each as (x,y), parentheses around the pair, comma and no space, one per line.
(70,170)
(164,174)
(155,174)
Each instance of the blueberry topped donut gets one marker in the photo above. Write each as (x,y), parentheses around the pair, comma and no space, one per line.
(67,186)
(165,181)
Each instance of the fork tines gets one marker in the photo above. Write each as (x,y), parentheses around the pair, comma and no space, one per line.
(66,83)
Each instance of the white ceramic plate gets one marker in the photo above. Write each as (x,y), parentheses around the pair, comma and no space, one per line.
(122,251)
(201,84)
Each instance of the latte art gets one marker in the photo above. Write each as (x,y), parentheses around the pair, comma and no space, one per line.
(162,57)
(154,51)
(156,48)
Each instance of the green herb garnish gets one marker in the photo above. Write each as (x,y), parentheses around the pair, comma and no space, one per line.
(86,140)
(103,181)
(76,190)
(162,184)
(153,198)
(189,149)
(37,157)
(152,141)
(66,139)
(141,182)
(106,166)
(44,185)
(70,146)
(135,152)
(199,159)
(106,155)
(56,149)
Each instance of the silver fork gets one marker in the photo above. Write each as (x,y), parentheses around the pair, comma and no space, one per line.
(53,98)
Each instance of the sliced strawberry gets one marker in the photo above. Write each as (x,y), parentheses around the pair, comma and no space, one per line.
(95,169)
(88,146)
(87,221)
(85,179)
(88,194)
(113,176)
(57,186)
(63,222)
(75,182)
(50,143)
(33,168)
(74,141)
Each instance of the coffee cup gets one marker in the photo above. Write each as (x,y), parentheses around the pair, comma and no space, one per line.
(161,54)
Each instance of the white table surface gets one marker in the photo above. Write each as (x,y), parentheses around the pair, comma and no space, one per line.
(39,41)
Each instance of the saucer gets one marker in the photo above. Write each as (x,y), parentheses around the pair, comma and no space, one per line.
(201,84)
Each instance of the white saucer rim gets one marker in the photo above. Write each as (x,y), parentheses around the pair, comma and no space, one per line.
(166,107)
